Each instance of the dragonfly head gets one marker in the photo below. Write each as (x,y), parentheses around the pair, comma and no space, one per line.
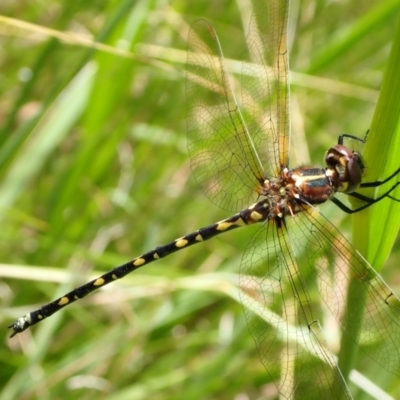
(348,165)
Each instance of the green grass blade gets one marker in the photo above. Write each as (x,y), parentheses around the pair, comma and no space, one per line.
(376,228)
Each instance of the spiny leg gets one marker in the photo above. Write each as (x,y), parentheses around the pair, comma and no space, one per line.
(379,183)
(347,136)
(368,200)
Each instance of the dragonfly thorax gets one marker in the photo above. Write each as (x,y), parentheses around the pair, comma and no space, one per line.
(288,193)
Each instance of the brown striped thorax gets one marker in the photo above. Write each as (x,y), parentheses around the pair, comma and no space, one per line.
(295,188)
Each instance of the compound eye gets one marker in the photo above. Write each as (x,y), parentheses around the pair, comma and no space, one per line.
(353,173)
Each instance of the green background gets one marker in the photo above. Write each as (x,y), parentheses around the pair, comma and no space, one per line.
(94,171)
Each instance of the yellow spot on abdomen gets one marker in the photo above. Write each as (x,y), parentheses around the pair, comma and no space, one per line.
(255,216)
(98,282)
(199,238)
(181,243)
(63,301)
(139,262)
(223,226)
(156,256)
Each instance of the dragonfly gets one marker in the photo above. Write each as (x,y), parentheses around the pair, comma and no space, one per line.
(240,158)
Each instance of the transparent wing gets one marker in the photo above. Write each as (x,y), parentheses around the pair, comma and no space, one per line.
(334,261)
(265,87)
(223,157)
(288,335)
(282,322)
